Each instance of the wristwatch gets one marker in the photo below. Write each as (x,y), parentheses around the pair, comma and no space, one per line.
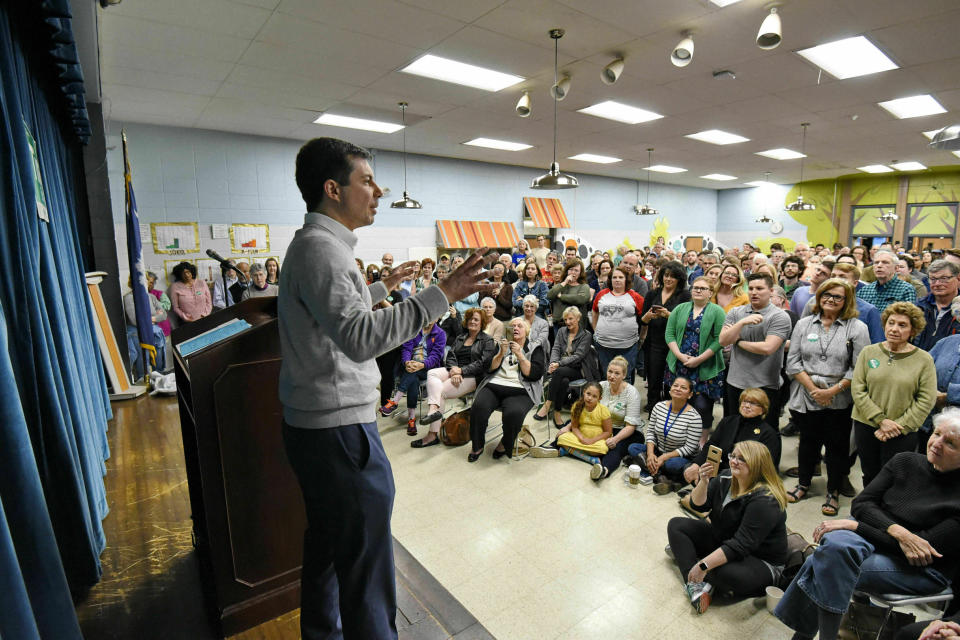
(703,566)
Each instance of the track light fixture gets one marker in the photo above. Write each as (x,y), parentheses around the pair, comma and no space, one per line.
(611,72)
(560,88)
(553,179)
(682,54)
(523,105)
(771,32)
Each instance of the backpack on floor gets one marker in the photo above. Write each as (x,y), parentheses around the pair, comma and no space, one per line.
(455,430)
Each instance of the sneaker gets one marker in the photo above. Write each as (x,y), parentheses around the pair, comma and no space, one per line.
(430,418)
(598,472)
(645,478)
(545,451)
(700,596)
(388,409)
(411,427)
(627,461)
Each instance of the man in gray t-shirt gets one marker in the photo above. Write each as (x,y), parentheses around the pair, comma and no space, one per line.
(757,333)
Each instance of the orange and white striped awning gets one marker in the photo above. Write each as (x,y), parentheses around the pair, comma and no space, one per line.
(469,234)
(546,213)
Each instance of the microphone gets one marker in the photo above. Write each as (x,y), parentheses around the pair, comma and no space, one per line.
(225,264)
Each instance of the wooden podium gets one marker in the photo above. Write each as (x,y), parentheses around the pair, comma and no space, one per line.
(247,510)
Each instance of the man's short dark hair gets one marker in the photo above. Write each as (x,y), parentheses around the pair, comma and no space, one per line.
(908,260)
(766,277)
(797,260)
(323,159)
(776,246)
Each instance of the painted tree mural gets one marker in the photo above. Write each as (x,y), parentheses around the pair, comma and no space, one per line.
(822,223)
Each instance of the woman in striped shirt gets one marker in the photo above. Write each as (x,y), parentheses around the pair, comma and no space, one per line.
(673,438)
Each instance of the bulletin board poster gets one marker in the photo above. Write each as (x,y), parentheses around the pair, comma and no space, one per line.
(175,238)
(249,239)
(208,270)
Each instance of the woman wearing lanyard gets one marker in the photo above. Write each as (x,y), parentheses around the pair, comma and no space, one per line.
(823,350)
(673,437)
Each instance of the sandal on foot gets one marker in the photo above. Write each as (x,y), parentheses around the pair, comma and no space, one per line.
(799,493)
(831,507)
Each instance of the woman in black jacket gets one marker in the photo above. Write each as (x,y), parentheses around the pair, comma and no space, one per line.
(466,364)
(743,548)
(570,359)
(749,424)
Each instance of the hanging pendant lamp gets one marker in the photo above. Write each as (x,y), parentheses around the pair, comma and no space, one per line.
(799,204)
(406,202)
(646,209)
(554,179)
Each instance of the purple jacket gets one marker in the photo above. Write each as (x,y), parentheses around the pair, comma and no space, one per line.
(436,342)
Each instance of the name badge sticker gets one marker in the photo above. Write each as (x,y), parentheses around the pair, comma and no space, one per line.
(812,337)
(873,363)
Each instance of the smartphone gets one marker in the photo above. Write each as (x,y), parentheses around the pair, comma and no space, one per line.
(714,456)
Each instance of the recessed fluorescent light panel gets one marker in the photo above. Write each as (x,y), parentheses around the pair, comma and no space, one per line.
(358,123)
(849,58)
(620,112)
(719,176)
(592,157)
(956,153)
(761,183)
(665,168)
(724,3)
(504,145)
(908,166)
(932,133)
(431,66)
(875,168)
(913,107)
(781,154)
(715,136)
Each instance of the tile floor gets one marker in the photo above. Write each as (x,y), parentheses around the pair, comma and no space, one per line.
(535,549)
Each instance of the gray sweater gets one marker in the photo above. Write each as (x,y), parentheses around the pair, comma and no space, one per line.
(329,336)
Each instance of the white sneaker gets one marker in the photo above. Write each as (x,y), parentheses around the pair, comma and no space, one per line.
(597,472)
(544,451)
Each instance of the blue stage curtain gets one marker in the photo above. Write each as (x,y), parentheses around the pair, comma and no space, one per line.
(54,361)
(36,600)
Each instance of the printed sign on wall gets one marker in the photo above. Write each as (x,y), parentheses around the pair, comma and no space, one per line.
(175,238)
(249,238)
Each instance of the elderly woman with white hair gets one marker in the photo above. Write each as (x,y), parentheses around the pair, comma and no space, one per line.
(539,328)
(494,327)
(903,537)
(513,385)
(259,288)
(570,359)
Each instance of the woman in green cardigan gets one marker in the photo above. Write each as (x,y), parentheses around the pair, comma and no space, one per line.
(693,337)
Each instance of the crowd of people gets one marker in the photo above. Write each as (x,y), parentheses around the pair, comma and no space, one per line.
(855,350)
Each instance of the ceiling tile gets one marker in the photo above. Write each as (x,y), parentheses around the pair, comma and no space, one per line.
(154,36)
(213,16)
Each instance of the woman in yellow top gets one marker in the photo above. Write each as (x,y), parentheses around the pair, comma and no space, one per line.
(730,290)
(586,436)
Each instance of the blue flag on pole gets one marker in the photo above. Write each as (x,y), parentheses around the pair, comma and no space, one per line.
(138,278)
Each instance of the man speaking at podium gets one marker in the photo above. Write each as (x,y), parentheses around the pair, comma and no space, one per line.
(329,337)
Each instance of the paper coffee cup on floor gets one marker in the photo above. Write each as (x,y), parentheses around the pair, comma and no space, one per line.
(773,597)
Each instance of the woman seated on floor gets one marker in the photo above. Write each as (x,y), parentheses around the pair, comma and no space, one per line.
(570,359)
(749,424)
(417,356)
(742,549)
(903,537)
(514,384)
(672,438)
(467,362)
(623,402)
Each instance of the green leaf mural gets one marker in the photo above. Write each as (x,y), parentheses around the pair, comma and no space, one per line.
(819,222)
(866,221)
(931,219)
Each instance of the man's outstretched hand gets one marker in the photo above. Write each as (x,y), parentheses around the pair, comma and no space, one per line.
(468,278)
